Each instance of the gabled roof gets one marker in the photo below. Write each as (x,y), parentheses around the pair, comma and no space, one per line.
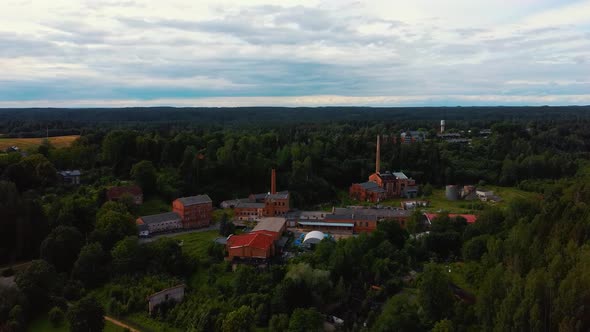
(250,205)
(278,195)
(117,192)
(326,224)
(273,224)
(158,218)
(379,213)
(371,186)
(351,216)
(256,240)
(400,175)
(386,176)
(192,200)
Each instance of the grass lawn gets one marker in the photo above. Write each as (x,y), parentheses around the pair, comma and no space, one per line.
(154,206)
(438,201)
(143,322)
(42,324)
(218,214)
(196,244)
(26,143)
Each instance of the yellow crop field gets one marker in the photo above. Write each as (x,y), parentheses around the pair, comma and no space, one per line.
(26,143)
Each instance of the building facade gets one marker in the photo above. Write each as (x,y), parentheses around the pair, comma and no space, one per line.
(162,222)
(258,245)
(70,177)
(271,204)
(194,211)
(175,294)
(367,192)
(412,136)
(248,211)
(391,184)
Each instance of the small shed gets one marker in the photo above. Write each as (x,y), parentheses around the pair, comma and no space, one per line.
(175,293)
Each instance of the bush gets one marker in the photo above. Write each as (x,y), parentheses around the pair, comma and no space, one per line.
(9,272)
(74,290)
(56,316)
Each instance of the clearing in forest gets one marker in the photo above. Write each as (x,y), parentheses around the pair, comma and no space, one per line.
(26,143)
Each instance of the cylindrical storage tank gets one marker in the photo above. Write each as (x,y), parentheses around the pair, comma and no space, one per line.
(452,192)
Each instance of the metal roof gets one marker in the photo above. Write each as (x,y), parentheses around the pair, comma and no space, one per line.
(400,175)
(158,218)
(199,199)
(379,213)
(351,216)
(278,195)
(273,224)
(328,224)
(255,240)
(250,205)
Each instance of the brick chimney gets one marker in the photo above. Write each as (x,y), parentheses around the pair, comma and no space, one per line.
(378,157)
(273,182)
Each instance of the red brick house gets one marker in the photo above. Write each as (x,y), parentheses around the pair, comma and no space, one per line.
(115,193)
(367,192)
(195,211)
(248,211)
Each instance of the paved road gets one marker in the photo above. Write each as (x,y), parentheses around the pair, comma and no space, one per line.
(214,227)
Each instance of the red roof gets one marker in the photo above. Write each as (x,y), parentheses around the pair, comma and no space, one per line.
(255,240)
(471,218)
(117,192)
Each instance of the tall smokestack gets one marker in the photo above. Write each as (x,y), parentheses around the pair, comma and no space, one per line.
(273,182)
(442,126)
(378,158)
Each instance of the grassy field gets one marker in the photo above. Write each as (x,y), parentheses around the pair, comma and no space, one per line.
(27,143)
(143,322)
(42,324)
(438,201)
(196,244)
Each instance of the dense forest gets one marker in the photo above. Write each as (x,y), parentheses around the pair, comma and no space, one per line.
(525,265)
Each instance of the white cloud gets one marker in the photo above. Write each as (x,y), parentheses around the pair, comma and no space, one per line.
(133,50)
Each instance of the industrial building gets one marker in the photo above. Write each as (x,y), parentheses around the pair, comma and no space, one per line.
(383,185)
(256,206)
(162,222)
(195,211)
(260,243)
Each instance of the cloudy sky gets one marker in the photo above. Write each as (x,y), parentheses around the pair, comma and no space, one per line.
(294,52)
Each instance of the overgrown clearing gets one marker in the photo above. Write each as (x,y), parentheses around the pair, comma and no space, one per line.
(153,206)
(27,143)
(438,201)
(195,244)
(42,324)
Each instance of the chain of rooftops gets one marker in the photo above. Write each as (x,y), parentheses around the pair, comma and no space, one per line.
(271,214)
